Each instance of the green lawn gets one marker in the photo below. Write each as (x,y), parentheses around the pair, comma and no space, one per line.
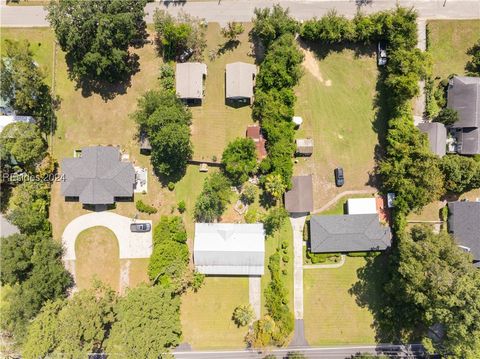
(336,100)
(97,254)
(214,123)
(331,314)
(206,315)
(448,42)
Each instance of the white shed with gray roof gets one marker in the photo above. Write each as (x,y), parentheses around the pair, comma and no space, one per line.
(240,80)
(189,80)
(229,249)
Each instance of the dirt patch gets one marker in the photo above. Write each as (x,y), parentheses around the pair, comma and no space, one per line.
(311,65)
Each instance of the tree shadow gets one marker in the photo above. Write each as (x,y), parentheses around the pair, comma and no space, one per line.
(322,50)
(168,3)
(107,90)
(267,201)
(258,49)
(229,45)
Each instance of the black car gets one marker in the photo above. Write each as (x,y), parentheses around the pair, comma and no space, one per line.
(140,227)
(185,55)
(339,179)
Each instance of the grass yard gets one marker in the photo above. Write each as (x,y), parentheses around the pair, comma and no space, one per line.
(97,254)
(206,315)
(331,315)
(448,42)
(214,123)
(336,100)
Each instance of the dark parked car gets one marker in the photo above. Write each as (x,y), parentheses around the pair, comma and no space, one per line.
(382,53)
(185,55)
(140,227)
(339,179)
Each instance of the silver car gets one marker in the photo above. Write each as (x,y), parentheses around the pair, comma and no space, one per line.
(140,227)
(382,53)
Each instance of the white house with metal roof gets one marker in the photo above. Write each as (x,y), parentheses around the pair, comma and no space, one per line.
(229,249)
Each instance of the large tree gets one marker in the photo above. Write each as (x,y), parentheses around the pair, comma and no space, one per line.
(473,65)
(269,24)
(461,173)
(23,84)
(25,143)
(240,159)
(434,282)
(212,201)
(165,120)
(96,35)
(148,323)
(15,256)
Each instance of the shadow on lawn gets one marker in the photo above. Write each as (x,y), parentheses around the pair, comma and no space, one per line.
(321,51)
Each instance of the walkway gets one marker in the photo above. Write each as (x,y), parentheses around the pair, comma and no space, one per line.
(419,105)
(242,10)
(255,294)
(340,195)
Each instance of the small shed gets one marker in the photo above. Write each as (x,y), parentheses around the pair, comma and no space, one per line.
(304,146)
(362,205)
(297,120)
(145,147)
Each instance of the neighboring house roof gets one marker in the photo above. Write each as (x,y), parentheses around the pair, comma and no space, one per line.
(254,132)
(464,224)
(468,141)
(362,205)
(229,249)
(304,146)
(8,119)
(300,198)
(240,80)
(7,228)
(464,97)
(98,176)
(437,136)
(189,80)
(348,233)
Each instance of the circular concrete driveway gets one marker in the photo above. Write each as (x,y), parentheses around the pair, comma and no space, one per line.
(131,244)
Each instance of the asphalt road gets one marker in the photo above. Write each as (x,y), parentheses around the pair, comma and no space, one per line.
(415,351)
(242,10)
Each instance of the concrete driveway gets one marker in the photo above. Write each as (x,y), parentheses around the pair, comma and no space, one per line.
(131,245)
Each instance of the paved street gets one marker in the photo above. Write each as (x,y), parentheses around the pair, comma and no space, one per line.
(311,353)
(242,10)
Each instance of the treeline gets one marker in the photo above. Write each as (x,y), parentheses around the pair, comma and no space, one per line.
(274,95)
(31,270)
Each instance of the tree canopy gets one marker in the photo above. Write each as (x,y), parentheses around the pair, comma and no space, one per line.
(147,325)
(269,24)
(23,84)
(96,35)
(473,65)
(213,199)
(240,160)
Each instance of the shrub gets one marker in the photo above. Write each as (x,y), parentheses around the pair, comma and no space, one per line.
(447,116)
(145,208)
(170,228)
(285,258)
(444,214)
(213,199)
(359,254)
(243,315)
(252,215)
(171,186)
(274,219)
(181,206)
(197,281)
(249,193)
(284,244)
(239,160)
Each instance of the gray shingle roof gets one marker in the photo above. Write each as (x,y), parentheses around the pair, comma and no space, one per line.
(300,198)
(348,233)
(189,80)
(240,80)
(98,176)
(437,136)
(464,224)
(464,97)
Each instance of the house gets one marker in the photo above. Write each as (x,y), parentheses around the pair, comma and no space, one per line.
(362,205)
(464,224)
(464,97)
(348,233)
(229,249)
(189,78)
(300,198)
(6,120)
(254,132)
(240,81)
(437,136)
(98,177)
(304,146)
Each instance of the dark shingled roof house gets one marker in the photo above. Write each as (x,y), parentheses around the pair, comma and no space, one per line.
(348,233)
(464,224)
(98,176)
(464,97)
(300,198)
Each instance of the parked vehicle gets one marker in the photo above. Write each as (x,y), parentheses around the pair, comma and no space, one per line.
(140,227)
(184,56)
(382,53)
(339,179)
